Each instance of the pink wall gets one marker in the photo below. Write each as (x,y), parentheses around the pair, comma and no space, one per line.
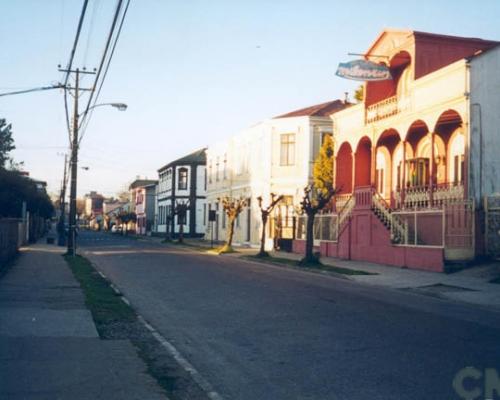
(365,238)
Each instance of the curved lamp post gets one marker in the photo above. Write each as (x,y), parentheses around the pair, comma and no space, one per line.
(74,168)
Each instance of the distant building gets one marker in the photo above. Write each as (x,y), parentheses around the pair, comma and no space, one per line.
(181,181)
(94,209)
(143,193)
(111,209)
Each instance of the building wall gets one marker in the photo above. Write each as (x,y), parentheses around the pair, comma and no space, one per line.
(485,123)
(249,165)
(169,193)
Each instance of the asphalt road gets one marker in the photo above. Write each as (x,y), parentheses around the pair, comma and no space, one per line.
(262,332)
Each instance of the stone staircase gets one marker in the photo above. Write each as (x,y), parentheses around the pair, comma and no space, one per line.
(400,231)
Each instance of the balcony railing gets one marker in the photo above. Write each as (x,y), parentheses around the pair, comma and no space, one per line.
(420,196)
(382,109)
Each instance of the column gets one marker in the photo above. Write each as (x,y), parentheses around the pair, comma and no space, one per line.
(373,166)
(403,173)
(431,171)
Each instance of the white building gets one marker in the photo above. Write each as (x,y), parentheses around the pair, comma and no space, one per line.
(182,181)
(273,156)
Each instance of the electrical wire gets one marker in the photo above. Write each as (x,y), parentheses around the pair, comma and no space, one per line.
(70,64)
(95,7)
(106,70)
(103,59)
(38,89)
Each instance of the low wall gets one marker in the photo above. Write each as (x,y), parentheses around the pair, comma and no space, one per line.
(11,238)
(365,238)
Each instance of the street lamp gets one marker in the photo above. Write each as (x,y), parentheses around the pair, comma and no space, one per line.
(118,106)
(74,167)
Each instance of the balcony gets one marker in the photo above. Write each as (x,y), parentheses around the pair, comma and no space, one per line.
(420,196)
(382,109)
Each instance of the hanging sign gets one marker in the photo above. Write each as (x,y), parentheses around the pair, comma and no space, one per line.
(363,70)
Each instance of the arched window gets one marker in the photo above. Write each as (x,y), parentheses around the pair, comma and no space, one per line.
(183,179)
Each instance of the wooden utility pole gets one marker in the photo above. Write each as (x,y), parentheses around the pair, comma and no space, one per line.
(74,170)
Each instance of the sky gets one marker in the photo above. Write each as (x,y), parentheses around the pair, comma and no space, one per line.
(191,72)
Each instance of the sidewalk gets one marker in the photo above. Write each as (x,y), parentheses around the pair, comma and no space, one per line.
(471,285)
(49,346)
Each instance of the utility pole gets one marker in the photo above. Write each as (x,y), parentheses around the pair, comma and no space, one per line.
(74,170)
(74,162)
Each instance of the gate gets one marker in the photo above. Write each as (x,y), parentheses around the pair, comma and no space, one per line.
(459,243)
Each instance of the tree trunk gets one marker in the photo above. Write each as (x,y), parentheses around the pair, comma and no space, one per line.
(263,251)
(230,233)
(309,256)
(181,233)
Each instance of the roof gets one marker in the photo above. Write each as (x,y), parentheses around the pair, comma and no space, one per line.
(410,32)
(196,157)
(318,110)
(142,183)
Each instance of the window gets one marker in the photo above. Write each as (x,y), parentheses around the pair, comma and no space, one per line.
(204,214)
(183,179)
(223,219)
(205,178)
(168,183)
(287,149)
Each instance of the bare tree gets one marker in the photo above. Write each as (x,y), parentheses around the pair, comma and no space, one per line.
(181,210)
(312,203)
(264,215)
(232,207)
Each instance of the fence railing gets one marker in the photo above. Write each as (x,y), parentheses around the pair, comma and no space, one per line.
(382,109)
(420,196)
(326,227)
(419,227)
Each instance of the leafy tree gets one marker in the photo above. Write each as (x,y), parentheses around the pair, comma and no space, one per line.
(264,215)
(16,189)
(232,207)
(125,217)
(6,141)
(323,167)
(359,94)
(318,195)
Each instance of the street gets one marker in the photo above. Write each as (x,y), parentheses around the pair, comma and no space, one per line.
(256,331)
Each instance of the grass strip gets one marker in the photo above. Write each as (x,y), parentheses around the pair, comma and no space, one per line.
(315,266)
(116,320)
(103,302)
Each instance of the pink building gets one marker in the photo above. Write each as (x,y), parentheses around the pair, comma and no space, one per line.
(408,159)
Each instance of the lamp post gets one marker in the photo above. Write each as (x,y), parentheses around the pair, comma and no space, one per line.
(74,165)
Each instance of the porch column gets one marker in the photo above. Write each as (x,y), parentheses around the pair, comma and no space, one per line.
(373,165)
(431,171)
(353,180)
(403,186)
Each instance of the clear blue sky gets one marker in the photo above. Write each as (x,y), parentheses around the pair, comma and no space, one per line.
(192,72)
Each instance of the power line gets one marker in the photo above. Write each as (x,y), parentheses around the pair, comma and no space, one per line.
(103,59)
(109,62)
(38,89)
(70,63)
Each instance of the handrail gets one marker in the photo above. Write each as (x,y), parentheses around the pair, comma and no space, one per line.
(385,213)
(343,214)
